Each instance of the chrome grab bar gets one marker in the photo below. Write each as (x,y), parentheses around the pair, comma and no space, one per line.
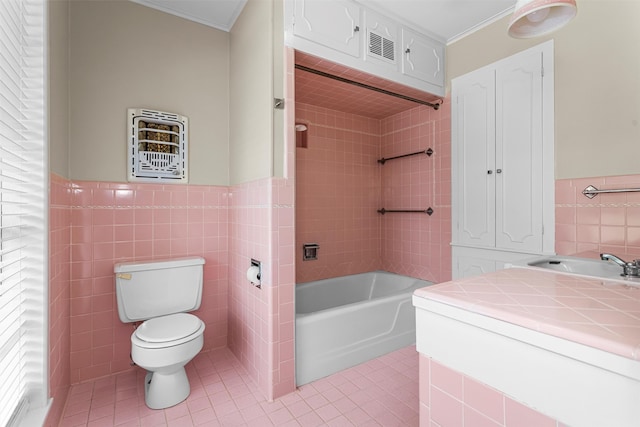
(592,191)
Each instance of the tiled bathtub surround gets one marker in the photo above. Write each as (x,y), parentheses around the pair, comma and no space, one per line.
(337,193)
(415,244)
(340,186)
(606,223)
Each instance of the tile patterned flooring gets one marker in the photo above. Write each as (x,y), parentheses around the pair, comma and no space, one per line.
(381,392)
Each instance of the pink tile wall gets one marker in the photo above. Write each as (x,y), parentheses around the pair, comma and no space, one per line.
(606,223)
(262,227)
(340,187)
(337,193)
(113,223)
(283,267)
(94,225)
(415,244)
(59,306)
(250,333)
(449,398)
(261,320)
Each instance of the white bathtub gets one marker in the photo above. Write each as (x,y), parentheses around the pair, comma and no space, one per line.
(344,321)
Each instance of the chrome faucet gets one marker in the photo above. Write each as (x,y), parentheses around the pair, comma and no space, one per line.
(629,269)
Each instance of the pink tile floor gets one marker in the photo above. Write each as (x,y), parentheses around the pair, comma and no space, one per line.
(381,392)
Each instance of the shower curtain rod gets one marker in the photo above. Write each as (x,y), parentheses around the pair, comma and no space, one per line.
(366,86)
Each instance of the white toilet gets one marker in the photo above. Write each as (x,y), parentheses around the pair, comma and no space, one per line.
(159,293)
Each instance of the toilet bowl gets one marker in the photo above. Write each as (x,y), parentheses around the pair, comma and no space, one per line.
(160,293)
(163,346)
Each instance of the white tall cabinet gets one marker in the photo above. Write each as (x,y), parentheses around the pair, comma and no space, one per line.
(502,162)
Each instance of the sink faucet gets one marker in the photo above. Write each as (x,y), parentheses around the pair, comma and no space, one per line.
(629,269)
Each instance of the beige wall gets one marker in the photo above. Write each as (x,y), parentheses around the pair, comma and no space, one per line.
(597,84)
(251,93)
(279,83)
(125,55)
(59,87)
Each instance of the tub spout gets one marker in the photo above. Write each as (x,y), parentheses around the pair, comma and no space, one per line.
(629,269)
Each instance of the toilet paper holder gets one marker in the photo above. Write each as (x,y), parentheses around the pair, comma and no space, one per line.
(257,278)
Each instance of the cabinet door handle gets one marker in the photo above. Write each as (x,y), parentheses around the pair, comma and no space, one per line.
(498,170)
(407,50)
(356,29)
(489,172)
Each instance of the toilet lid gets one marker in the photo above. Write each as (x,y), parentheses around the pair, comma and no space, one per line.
(168,328)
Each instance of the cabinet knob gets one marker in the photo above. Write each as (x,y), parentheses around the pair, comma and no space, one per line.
(489,172)
(407,50)
(498,170)
(356,29)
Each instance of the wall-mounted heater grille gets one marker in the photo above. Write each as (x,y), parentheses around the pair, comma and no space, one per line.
(381,47)
(158,144)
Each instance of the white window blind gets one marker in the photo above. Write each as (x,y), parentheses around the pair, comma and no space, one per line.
(23,213)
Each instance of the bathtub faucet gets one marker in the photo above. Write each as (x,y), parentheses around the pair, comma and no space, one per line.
(629,269)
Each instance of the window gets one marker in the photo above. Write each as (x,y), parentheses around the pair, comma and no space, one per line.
(23,208)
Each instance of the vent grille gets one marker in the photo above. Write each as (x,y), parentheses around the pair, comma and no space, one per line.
(381,47)
(157,146)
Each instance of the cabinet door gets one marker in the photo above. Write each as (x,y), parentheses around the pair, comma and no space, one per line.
(473,122)
(422,58)
(519,153)
(335,24)
(472,266)
(474,261)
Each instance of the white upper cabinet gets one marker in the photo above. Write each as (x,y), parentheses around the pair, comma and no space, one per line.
(334,24)
(422,58)
(351,34)
(502,155)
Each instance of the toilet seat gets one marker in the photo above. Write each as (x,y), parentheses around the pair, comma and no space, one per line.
(168,331)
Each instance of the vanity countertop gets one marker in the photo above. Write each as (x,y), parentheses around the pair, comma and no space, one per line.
(597,313)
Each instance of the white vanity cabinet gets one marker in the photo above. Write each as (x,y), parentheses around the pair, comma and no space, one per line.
(502,162)
(580,373)
(334,24)
(354,35)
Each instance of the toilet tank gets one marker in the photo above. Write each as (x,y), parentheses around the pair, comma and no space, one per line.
(156,288)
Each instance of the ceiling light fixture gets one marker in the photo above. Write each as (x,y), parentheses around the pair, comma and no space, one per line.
(533,18)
